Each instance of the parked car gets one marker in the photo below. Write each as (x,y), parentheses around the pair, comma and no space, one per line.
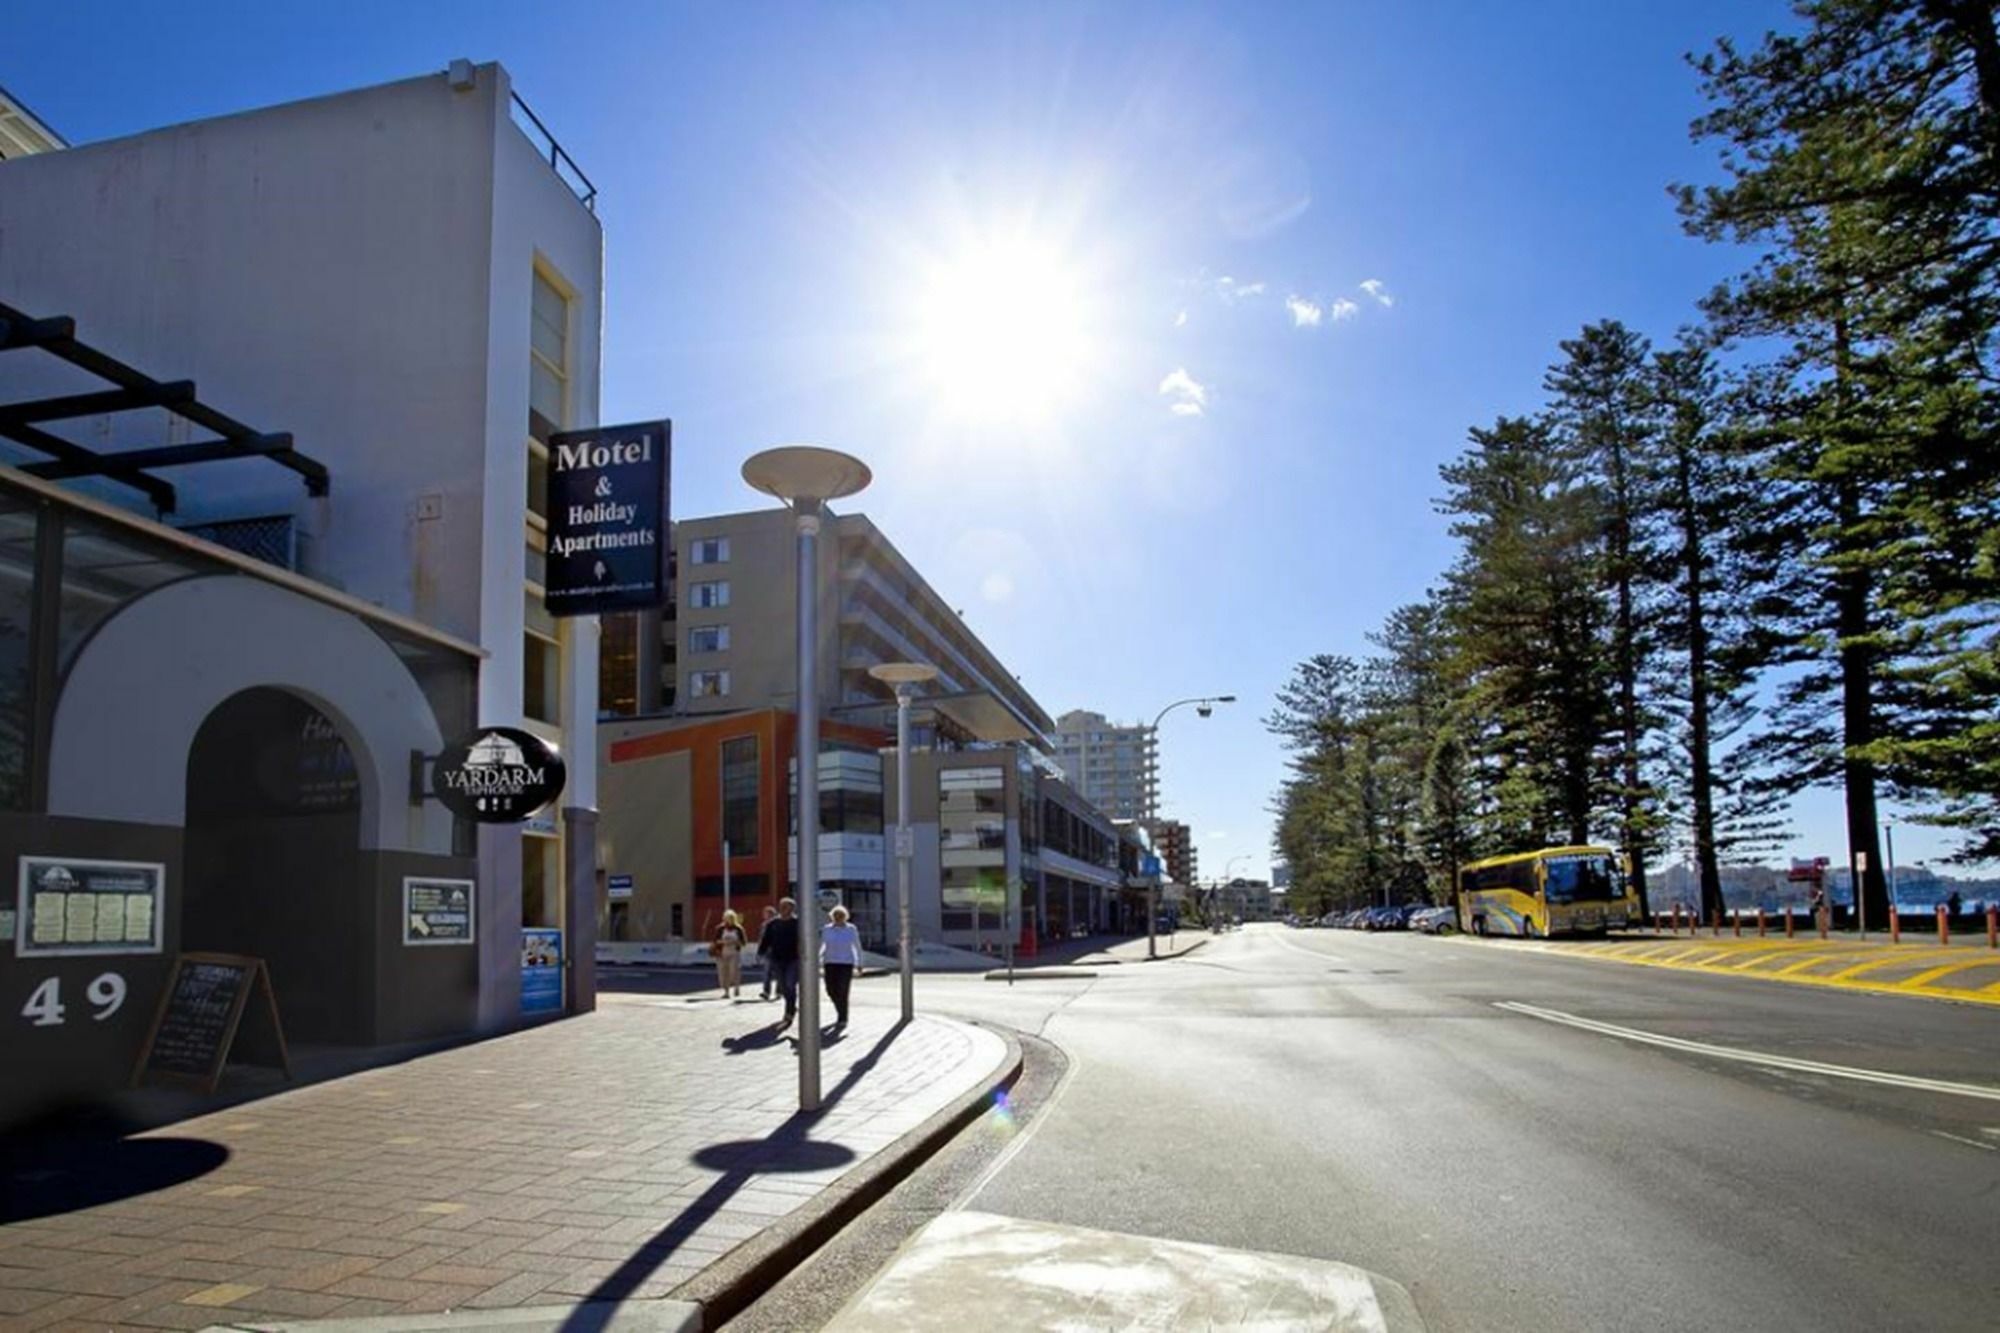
(1435,920)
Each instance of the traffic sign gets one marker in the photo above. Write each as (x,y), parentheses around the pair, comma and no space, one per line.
(828,899)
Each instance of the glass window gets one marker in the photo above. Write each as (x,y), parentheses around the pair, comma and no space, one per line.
(711,594)
(708,684)
(708,639)
(618,666)
(104,568)
(17,584)
(711,551)
(540,905)
(541,679)
(548,370)
(739,795)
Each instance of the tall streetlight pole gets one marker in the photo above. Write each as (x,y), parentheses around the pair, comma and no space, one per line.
(1207,704)
(1227,880)
(905,676)
(805,478)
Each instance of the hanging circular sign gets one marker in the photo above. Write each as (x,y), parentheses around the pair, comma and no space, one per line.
(498,775)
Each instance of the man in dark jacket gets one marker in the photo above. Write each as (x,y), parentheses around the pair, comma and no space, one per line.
(780,946)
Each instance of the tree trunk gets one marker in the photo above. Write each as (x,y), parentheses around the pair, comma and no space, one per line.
(1631,804)
(1854,587)
(1702,762)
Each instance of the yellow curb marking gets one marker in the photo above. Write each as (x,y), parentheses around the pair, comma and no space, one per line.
(404,1140)
(442,1208)
(1925,978)
(233,1191)
(1836,953)
(222,1293)
(1859,968)
(240,1126)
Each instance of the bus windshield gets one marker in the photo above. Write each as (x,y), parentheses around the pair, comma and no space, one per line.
(1581,878)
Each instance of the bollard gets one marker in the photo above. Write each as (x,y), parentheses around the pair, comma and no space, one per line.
(1760,923)
(1677,919)
(1895,926)
(1992,926)
(1788,923)
(1715,923)
(1736,924)
(1944,926)
(1823,914)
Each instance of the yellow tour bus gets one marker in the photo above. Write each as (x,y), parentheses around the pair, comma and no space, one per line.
(1555,891)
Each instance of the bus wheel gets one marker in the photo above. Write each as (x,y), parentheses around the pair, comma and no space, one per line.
(1527,929)
(1479,926)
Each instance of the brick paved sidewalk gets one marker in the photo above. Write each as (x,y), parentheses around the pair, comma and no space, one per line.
(609,1156)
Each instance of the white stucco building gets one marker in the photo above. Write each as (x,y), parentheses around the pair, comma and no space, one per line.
(407,280)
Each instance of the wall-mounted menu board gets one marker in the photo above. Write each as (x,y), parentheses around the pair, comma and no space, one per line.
(203,1005)
(70,905)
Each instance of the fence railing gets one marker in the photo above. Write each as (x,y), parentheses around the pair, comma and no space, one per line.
(559,161)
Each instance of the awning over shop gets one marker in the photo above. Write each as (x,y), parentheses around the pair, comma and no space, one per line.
(983,717)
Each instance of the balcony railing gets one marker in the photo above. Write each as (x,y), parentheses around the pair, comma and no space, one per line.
(560,162)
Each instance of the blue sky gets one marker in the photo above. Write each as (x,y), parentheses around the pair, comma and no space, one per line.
(1275,260)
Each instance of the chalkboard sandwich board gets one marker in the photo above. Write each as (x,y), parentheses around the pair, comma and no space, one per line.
(202,1007)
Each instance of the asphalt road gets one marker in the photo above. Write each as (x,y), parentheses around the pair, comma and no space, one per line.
(1362,1098)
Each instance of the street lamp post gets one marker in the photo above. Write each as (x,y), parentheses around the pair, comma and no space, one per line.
(1230,865)
(905,676)
(805,478)
(1207,704)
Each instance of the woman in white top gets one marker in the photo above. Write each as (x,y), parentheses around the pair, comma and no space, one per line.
(839,954)
(727,949)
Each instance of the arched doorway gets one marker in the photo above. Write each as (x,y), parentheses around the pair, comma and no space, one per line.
(272,864)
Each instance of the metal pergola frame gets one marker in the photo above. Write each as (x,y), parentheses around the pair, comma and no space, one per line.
(131,390)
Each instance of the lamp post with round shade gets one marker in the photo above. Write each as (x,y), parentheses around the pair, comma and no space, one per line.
(805,478)
(905,676)
(1206,703)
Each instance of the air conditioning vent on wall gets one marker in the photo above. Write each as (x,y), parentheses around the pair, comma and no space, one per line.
(273,540)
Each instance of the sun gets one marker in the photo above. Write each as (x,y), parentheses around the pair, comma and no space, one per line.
(1005,333)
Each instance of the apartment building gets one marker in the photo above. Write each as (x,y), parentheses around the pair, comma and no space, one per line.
(1175,844)
(720,667)
(1114,766)
(280,387)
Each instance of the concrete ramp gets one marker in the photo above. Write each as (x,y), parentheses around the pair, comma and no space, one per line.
(970,1270)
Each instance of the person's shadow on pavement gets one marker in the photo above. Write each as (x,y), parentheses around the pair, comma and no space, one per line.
(756,1039)
(790,1147)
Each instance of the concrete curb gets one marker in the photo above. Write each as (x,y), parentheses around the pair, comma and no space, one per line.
(1040,974)
(725,1287)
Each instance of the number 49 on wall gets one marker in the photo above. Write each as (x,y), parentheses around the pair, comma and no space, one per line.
(45,1007)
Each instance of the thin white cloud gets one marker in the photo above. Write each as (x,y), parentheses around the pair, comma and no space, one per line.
(1229,289)
(1189,397)
(1180,320)
(1217,835)
(1375,289)
(1342,308)
(1305,314)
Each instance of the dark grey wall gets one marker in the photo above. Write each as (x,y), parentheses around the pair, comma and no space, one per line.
(83,1056)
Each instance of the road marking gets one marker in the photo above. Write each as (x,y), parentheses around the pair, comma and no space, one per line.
(1755,1057)
(1986,1147)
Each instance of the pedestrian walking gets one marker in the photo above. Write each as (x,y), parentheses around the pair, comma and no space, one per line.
(840,954)
(727,950)
(764,947)
(782,938)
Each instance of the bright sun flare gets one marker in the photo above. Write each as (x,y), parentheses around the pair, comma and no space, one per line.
(1005,334)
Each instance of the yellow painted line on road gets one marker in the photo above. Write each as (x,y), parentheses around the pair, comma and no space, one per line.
(1926,978)
(1737,1054)
(1869,966)
(1840,954)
